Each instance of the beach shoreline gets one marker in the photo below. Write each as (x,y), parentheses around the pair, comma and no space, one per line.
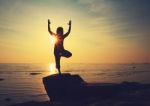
(20,86)
(89,102)
(127,97)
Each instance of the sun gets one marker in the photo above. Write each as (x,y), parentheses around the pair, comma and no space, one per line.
(52,68)
(53,39)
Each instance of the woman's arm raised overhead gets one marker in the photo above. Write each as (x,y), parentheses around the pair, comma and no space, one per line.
(66,34)
(49,28)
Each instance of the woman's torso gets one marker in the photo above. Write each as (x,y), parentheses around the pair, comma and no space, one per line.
(59,44)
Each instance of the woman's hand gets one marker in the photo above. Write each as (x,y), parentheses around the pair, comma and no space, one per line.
(69,23)
(49,21)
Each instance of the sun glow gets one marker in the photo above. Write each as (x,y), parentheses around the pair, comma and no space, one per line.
(52,68)
(53,39)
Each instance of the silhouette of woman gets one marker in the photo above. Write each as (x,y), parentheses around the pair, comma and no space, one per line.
(59,48)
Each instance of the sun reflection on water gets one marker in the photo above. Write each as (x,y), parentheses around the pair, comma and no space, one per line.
(52,68)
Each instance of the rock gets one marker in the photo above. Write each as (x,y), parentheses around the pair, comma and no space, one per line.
(57,86)
(1,79)
(7,99)
(73,87)
(34,73)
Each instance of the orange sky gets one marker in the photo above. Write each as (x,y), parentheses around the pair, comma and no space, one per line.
(101,33)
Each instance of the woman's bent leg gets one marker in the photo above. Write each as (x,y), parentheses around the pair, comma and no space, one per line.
(66,53)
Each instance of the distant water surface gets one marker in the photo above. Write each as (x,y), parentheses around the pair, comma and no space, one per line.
(23,82)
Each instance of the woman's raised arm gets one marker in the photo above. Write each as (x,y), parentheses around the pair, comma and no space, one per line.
(65,35)
(49,28)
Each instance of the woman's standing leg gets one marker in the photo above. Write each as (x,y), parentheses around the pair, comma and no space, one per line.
(57,60)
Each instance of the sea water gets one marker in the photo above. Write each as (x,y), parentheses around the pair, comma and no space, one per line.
(23,82)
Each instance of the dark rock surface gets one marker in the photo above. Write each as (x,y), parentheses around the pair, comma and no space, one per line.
(71,90)
(72,87)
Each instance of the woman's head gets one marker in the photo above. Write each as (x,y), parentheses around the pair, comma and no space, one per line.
(60,31)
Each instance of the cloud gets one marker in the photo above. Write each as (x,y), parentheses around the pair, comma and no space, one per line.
(128,13)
